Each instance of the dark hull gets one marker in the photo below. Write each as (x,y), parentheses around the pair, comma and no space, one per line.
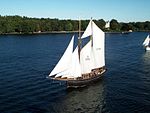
(84,82)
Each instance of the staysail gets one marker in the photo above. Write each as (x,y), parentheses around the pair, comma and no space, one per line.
(75,69)
(64,62)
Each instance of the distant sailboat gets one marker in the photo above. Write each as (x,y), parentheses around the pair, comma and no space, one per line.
(83,65)
(146,43)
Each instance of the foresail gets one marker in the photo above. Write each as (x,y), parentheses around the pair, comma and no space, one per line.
(75,69)
(64,62)
(66,72)
(146,41)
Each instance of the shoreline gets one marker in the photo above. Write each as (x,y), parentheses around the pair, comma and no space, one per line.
(47,32)
(62,32)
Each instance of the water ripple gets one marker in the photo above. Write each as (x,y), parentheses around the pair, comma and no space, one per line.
(26,60)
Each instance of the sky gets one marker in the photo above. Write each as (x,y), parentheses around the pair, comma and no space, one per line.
(121,10)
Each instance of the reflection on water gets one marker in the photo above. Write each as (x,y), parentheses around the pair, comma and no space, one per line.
(26,60)
(146,67)
(84,100)
(146,58)
(146,64)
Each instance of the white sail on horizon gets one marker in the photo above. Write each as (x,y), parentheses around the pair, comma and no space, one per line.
(146,41)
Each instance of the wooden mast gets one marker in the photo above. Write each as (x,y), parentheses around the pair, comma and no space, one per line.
(79,39)
(91,37)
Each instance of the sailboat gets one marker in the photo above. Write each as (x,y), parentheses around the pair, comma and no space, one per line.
(81,66)
(146,43)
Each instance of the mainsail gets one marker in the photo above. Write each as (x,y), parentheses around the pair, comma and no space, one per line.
(98,46)
(96,50)
(64,62)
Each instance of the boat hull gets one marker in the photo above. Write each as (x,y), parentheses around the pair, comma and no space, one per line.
(84,82)
(147,48)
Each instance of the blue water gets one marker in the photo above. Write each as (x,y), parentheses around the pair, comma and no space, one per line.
(26,60)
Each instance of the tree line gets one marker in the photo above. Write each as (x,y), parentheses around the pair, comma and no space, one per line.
(19,24)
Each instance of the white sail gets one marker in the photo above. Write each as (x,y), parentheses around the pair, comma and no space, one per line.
(66,72)
(92,55)
(64,62)
(98,46)
(88,31)
(86,58)
(75,69)
(146,41)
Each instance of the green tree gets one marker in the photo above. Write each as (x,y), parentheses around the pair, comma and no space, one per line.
(101,23)
(55,24)
(68,26)
(147,25)
(114,25)
(139,26)
(124,27)
(19,24)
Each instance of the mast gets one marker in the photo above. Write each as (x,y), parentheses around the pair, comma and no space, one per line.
(148,40)
(91,37)
(79,39)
